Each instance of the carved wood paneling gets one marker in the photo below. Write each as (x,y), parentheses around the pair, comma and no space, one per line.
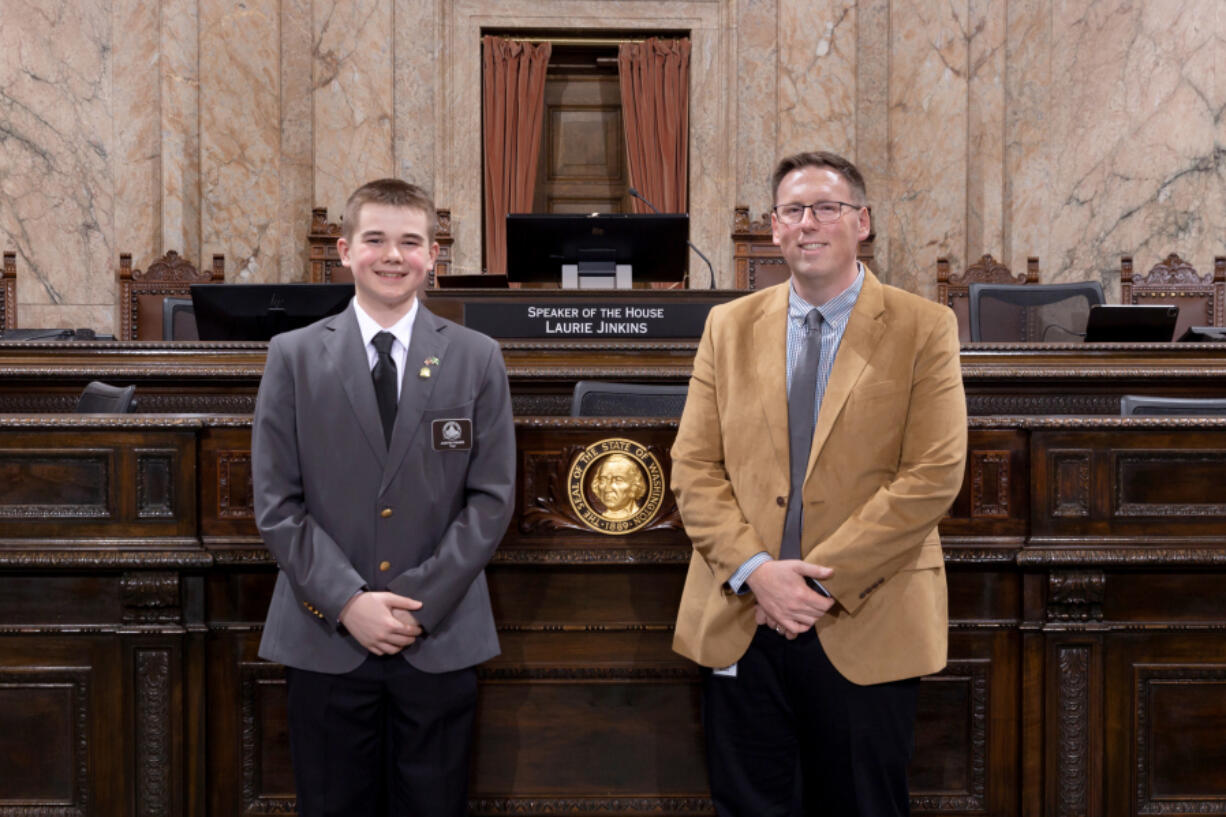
(1174,680)
(256,802)
(153,733)
(1170,483)
(48,484)
(677,806)
(74,683)
(235,491)
(156,469)
(975,675)
(1073,762)
(989,484)
(150,597)
(1070,483)
(1076,595)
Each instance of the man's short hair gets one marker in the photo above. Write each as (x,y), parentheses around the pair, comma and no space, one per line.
(392,192)
(821,158)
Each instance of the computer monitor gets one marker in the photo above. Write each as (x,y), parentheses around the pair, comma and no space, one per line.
(538,244)
(1131,323)
(259,311)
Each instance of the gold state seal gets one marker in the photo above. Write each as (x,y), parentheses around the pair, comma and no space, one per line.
(616,486)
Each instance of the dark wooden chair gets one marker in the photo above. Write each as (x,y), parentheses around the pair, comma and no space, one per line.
(953,290)
(8,292)
(141,292)
(757,262)
(324,262)
(1174,281)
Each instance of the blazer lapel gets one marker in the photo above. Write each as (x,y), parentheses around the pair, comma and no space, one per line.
(864,330)
(346,354)
(429,341)
(770,343)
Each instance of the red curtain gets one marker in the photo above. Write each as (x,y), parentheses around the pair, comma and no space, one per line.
(513,99)
(655,91)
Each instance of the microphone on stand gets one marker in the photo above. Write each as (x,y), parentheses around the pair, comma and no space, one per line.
(639,196)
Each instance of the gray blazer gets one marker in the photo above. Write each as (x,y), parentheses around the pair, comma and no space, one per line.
(340,510)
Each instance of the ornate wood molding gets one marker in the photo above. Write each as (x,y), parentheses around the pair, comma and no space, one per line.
(150,598)
(153,733)
(1147,677)
(252,674)
(593,555)
(976,674)
(77,681)
(1072,763)
(1076,595)
(679,806)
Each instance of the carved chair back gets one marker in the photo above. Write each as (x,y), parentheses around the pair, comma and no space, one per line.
(953,290)
(757,262)
(324,262)
(141,292)
(8,292)
(1174,281)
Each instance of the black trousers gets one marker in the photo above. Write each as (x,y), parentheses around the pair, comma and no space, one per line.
(385,739)
(790,736)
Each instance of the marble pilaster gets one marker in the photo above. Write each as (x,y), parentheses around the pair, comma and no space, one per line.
(416,76)
(136,128)
(756,120)
(240,135)
(296,175)
(985,163)
(353,106)
(928,140)
(872,150)
(179,71)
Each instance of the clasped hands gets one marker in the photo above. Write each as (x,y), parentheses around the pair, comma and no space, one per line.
(785,602)
(382,622)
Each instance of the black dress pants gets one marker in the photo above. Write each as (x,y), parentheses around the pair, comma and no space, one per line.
(790,736)
(385,739)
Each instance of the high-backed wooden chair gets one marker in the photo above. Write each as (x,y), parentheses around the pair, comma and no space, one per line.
(141,292)
(757,262)
(325,262)
(1174,281)
(953,290)
(8,292)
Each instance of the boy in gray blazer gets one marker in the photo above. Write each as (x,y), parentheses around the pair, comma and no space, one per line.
(383,455)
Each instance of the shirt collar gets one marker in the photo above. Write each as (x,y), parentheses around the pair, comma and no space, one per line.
(402,329)
(835,311)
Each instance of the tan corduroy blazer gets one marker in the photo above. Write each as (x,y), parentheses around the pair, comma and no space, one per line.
(887,461)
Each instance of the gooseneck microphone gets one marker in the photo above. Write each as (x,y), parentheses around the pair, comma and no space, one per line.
(640,197)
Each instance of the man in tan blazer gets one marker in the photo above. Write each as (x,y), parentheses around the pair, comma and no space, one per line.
(816,591)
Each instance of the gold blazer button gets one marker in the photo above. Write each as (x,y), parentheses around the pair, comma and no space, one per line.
(385,513)
(385,566)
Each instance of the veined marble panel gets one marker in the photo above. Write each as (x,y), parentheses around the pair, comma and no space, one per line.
(985,161)
(56,150)
(1136,138)
(240,135)
(416,78)
(353,104)
(872,151)
(756,119)
(136,127)
(928,139)
(1027,158)
(179,69)
(817,76)
(296,167)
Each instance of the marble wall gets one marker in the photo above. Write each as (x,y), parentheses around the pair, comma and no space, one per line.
(1074,130)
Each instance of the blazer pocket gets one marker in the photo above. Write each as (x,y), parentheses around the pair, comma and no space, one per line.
(876,390)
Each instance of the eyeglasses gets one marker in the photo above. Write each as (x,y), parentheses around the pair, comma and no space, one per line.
(824,212)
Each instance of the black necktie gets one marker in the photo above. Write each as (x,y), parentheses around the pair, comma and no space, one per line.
(802,401)
(384,377)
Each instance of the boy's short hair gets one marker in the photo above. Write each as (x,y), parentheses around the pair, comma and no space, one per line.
(393,192)
(821,158)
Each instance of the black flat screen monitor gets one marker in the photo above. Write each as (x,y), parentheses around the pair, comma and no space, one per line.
(654,244)
(1131,323)
(259,311)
